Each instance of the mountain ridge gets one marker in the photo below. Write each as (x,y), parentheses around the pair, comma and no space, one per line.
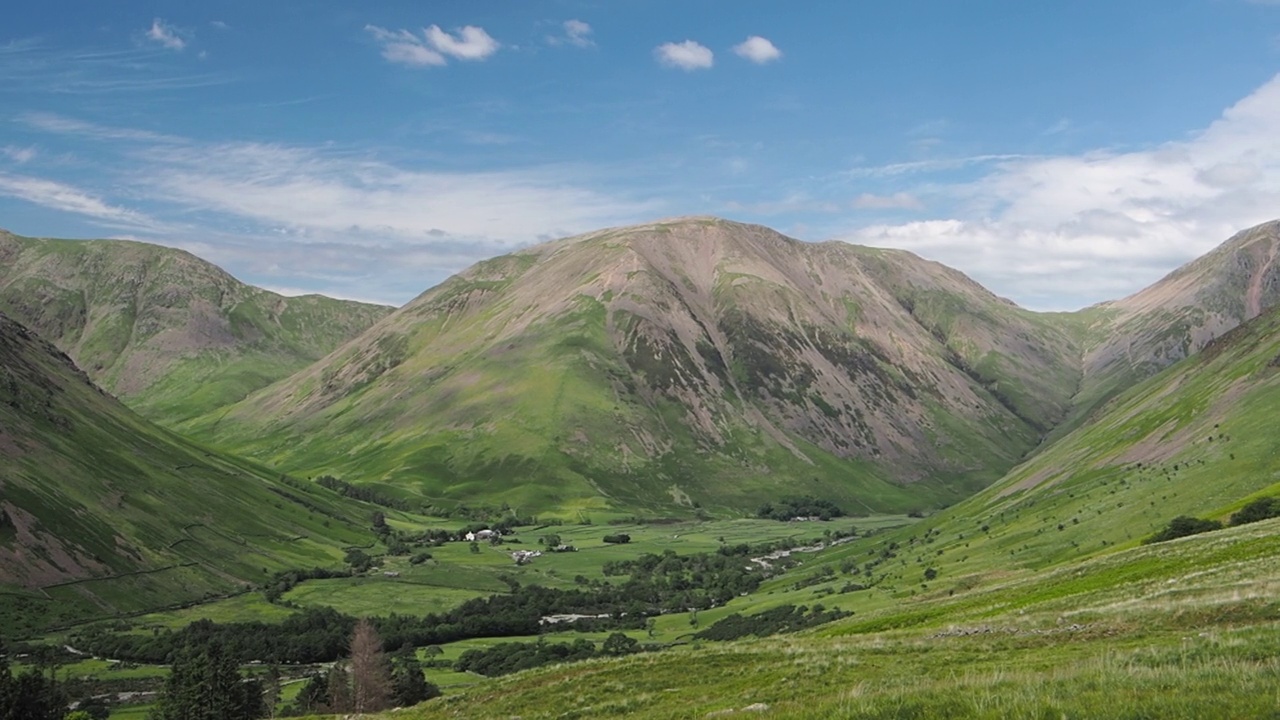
(677,323)
(151,323)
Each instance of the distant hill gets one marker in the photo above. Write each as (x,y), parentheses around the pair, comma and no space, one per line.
(694,362)
(1128,340)
(172,335)
(103,512)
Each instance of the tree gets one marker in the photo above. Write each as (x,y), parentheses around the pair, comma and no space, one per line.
(314,696)
(620,644)
(475,548)
(339,689)
(271,690)
(619,539)
(370,671)
(205,684)
(409,685)
(551,541)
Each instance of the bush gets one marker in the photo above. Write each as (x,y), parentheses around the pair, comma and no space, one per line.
(1182,526)
(619,539)
(1260,509)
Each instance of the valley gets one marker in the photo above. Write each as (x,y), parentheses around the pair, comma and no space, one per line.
(619,408)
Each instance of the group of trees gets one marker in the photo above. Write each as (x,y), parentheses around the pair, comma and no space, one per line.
(1184,525)
(805,506)
(205,683)
(507,658)
(782,619)
(31,696)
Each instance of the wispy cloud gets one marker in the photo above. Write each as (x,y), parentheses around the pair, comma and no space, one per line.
(19,155)
(575,32)
(434,46)
(688,55)
(30,66)
(59,196)
(165,34)
(758,50)
(927,166)
(63,125)
(895,201)
(313,193)
(1064,231)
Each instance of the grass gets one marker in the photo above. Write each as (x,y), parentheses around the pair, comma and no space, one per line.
(1149,638)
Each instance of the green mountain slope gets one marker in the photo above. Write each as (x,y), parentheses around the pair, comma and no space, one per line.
(695,361)
(103,513)
(1128,340)
(1032,599)
(1197,439)
(172,335)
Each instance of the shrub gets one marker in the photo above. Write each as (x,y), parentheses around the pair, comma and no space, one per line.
(619,539)
(1182,526)
(1260,509)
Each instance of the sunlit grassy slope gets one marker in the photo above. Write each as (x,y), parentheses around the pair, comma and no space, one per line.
(1033,599)
(1183,630)
(105,513)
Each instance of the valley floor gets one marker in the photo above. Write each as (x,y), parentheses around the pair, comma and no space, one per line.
(1194,639)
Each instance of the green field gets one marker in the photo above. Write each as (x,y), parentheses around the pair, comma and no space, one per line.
(1130,634)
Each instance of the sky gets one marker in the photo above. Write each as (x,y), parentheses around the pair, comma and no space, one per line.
(1059,153)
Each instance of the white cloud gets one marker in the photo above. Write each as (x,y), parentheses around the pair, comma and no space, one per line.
(19,155)
(576,33)
(404,48)
(471,43)
(687,55)
(67,198)
(758,50)
(1064,231)
(309,194)
(166,35)
(896,201)
(434,46)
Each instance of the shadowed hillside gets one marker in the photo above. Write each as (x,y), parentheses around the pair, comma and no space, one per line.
(102,512)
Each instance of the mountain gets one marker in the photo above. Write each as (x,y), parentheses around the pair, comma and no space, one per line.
(1196,439)
(693,362)
(104,513)
(1131,339)
(171,334)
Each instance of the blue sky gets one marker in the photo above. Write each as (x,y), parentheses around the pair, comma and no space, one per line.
(1060,153)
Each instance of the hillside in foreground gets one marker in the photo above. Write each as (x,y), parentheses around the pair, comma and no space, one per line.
(104,513)
(170,334)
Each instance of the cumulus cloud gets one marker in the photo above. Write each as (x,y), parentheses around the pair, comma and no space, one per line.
(434,46)
(470,43)
(166,35)
(687,55)
(576,33)
(1065,231)
(758,50)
